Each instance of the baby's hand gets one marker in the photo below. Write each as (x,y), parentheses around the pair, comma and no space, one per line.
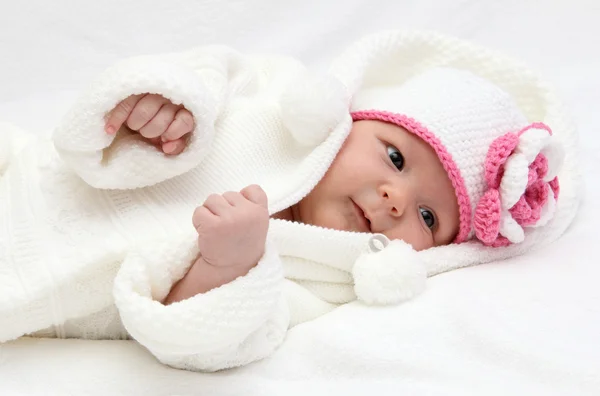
(232,228)
(163,123)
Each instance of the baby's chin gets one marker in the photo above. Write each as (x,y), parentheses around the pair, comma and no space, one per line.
(329,219)
(336,224)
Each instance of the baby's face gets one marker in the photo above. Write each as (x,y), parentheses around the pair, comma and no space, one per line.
(385,180)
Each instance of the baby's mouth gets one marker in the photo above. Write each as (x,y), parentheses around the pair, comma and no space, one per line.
(363,220)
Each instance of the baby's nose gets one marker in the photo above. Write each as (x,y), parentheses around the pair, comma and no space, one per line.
(396,199)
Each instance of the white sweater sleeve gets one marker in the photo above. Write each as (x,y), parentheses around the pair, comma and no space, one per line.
(233,325)
(201,80)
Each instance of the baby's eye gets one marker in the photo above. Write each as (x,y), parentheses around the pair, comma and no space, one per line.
(428,217)
(396,157)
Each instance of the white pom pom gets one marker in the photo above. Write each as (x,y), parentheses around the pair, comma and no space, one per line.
(311,107)
(390,276)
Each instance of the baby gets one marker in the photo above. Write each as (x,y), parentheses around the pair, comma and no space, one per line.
(363,191)
(304,193)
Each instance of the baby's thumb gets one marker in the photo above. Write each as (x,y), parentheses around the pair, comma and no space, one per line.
(254,193)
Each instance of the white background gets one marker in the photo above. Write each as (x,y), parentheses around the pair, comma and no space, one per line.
(528,326)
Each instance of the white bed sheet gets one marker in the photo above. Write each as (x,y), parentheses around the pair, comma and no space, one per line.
(526,326)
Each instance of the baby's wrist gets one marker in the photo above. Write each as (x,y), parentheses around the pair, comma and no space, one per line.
(203,277)
(210,276)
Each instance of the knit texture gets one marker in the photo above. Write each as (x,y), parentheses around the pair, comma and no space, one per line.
(96,228)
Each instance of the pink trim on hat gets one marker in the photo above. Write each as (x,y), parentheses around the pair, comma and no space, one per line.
(413,126)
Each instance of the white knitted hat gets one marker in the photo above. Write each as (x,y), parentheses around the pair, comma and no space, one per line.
(503,168)
(487,118)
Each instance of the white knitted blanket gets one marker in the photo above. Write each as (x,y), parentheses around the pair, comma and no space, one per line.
(98,228)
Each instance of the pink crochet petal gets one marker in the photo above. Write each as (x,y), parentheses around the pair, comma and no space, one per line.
(555,187)
(497,154)
(521,211)
(528,209)
(500,242)
(532,177)
(537,169)
(487,217)
(537,194)
(536,125)
(536,213)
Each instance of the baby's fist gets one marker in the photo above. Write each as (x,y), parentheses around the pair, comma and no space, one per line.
(154,117)
(232,228)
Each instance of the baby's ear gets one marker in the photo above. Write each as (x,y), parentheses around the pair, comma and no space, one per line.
(312,106)
(389,276)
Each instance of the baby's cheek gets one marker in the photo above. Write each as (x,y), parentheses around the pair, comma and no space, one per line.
(413,237)
(422,244)
(334,218)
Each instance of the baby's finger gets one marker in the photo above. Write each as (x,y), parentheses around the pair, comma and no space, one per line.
(181,125)
(145,110)
(156,142)
(217,204)
(175,147)
(160,122)
(235,199)
(254,193)
(119,114)
(201,214)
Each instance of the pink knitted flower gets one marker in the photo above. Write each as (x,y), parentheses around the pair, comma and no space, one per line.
(520,176)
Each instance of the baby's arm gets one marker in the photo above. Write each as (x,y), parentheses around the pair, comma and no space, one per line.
(232,231)
(230,320)
(200,81)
